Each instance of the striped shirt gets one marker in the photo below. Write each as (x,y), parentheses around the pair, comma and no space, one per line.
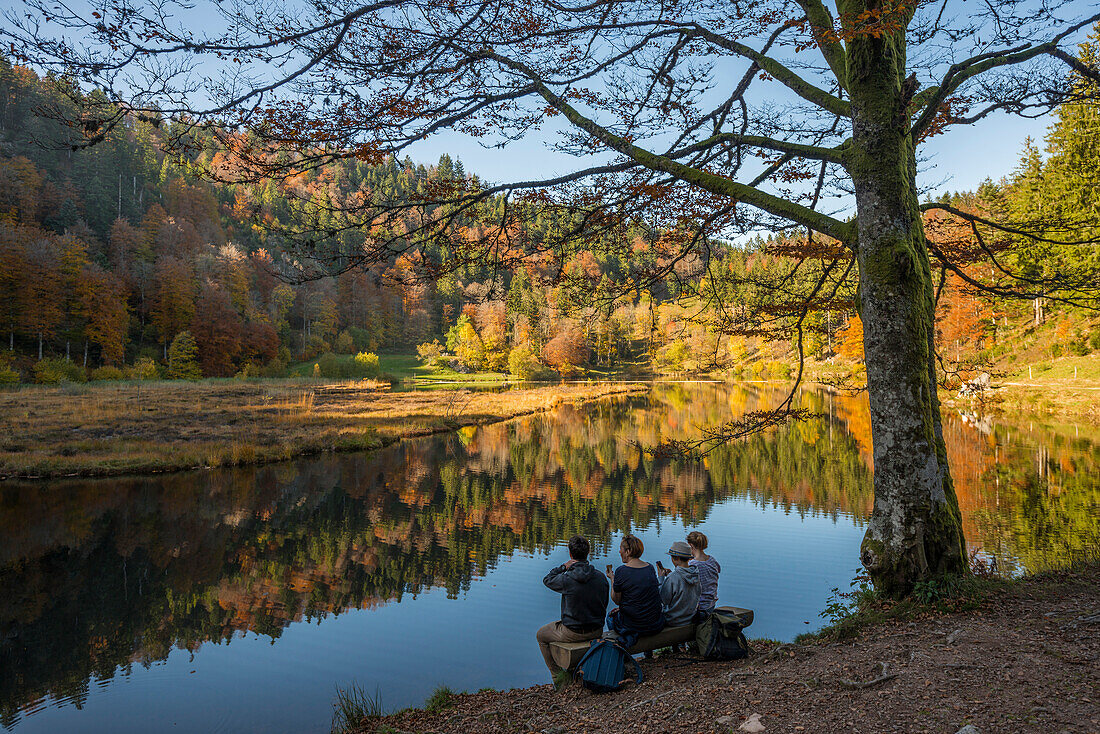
(708,582)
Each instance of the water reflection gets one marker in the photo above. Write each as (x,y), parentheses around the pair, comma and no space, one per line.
(100,576)
(1030,494)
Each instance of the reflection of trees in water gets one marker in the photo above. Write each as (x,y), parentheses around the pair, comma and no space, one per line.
(99,575)
(1030,499)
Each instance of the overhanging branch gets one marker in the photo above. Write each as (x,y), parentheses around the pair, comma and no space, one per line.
(705,180)
(958,74)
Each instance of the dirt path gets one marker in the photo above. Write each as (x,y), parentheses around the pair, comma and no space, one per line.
(165,426)
(1027,661)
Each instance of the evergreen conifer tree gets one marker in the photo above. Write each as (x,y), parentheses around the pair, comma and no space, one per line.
(183,358)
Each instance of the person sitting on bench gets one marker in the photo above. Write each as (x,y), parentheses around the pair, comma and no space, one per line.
(635,589)
(583,601)
(708,569)
(679,586)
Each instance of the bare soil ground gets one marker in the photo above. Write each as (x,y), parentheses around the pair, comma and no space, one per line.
(137,428)
(1027,661)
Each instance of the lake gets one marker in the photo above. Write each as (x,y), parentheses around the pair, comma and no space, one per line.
(238,600)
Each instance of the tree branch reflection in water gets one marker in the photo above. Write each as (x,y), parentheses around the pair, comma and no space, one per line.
(101,575)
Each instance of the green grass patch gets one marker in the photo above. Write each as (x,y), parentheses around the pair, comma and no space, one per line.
(331,366)
(352,706)
(1063,368)
(408,366)
(848,613)
(365,440)
(764,641)
(441,698)
(395,368)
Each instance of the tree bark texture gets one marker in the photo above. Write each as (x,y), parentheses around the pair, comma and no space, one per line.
(915,530)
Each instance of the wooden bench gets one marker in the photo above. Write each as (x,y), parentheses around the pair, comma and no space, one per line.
(568,654)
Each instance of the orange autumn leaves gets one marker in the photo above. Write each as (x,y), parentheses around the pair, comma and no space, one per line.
(963,318)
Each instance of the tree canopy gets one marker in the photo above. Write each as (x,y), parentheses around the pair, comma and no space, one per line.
(696,119)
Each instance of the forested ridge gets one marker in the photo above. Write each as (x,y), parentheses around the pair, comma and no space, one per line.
(120,260)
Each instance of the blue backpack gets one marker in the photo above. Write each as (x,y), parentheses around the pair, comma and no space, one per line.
(603,667)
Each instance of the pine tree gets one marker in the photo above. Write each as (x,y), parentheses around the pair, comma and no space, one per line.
(1073,143)
(183,358)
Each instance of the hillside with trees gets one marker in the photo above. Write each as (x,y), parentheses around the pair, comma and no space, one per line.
(120,260)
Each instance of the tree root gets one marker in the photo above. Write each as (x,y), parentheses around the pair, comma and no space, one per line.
(882,678)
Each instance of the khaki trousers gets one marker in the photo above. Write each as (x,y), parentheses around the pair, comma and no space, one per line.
(558,632)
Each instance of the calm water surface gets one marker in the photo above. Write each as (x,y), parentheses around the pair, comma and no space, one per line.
(237,600)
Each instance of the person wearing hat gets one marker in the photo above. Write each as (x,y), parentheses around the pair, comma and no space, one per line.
(679,586)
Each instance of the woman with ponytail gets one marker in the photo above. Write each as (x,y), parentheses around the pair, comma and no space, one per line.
(708,569)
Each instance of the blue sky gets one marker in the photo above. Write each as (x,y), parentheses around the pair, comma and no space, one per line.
(958,160)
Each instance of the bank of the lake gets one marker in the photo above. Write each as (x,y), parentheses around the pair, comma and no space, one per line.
(1027,659)
(135,428)
(1068,398)
(1066,388)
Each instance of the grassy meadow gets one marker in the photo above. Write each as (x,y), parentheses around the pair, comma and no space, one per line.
(134,427)
(399,368)
(1067,386)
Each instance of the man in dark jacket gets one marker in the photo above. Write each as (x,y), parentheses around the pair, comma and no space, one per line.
(583,592)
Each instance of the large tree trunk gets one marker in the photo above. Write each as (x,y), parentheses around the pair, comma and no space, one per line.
(915,530)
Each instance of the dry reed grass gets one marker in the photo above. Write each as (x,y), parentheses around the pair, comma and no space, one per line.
(148,427)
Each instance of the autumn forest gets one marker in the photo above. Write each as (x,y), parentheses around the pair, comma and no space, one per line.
(325,328)
(121,261)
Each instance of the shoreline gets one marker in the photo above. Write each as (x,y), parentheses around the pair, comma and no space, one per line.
(1077,399)
(118,429)
(163,427)
(1024,656)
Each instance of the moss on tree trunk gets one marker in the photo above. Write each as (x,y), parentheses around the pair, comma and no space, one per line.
(915,530)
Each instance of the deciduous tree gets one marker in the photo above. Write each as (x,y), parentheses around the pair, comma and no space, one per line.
(665,96)
(217,329)
(173,298)
(566,351)
(14,243)
(41,294)
(101,302)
